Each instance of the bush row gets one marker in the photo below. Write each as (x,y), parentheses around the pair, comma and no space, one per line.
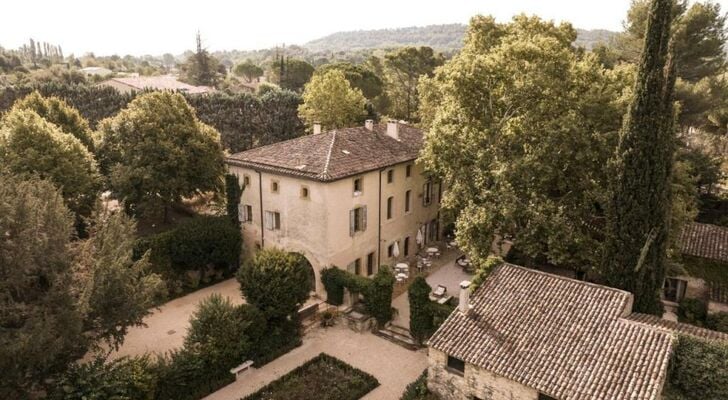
(695,312)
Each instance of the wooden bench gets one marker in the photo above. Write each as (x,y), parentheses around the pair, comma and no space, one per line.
(241,368)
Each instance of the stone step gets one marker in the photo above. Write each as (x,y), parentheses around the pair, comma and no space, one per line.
(398,337)
(399,329)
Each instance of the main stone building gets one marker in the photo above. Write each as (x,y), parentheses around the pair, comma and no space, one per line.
(342,197)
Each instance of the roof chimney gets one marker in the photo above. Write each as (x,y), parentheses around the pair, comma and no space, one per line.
(369,124)
(316,128)
(393,129)
(464,303)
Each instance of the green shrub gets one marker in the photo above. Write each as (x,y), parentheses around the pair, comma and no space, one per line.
(334,281)
(378,295)
(194,244)
(276,282)
(189,375)
(440,312)
(233,191)
(417,390)
(718,322)
(121,379)
(420,323)
(692,311)
(698,370)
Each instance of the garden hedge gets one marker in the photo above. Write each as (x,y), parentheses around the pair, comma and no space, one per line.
(418,390)
(698,369)
(377,291)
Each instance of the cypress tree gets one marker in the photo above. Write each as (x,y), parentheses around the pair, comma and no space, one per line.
(638,213)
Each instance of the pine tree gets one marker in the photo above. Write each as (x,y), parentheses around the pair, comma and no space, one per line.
(639,210)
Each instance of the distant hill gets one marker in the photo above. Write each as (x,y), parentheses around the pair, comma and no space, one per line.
(440,37)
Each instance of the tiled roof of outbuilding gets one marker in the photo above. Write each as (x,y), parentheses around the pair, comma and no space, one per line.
(161,82)
(565,338)
(335,154)
(705,241)
(677,327)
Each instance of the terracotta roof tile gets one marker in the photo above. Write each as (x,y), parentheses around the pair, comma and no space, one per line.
(162,82)
(565,338)
(677,327)
(334,154)
(705,240)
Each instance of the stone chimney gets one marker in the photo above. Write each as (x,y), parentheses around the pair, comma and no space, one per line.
(464,303)
(393,129)
(316,128)
(369,124)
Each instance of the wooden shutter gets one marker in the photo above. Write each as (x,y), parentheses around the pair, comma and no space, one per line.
(268,220)
(363,218)
(352,222)
(277,220)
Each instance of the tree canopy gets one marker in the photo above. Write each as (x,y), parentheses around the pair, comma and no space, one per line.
(31,145)
(248,70)
(156,151)
(521,126)
(59,113)
(402,71)
(330,100)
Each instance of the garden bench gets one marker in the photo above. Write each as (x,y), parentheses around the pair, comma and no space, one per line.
(241,368)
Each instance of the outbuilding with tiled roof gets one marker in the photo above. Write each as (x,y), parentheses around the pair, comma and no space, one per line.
(532,335)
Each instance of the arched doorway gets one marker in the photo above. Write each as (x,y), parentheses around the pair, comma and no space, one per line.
(305,264)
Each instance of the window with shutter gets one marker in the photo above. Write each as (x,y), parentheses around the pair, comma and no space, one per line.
(357,220)
(248,213)
(407,201)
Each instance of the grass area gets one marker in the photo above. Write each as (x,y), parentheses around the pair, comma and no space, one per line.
(710,271)
(321,378)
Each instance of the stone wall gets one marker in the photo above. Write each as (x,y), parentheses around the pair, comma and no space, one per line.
(474,382)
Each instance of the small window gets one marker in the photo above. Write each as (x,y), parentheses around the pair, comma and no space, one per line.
(246,213)
(456,365)
(390,205)
(427,194)
(390,250)
(406,246)
(304,192)
(272,220)
(357,186)
(390,176)
(408,170)
(407,201)
(357,220)
(674,289)
(274,186)
(354,267)
(246,180)
(370,264)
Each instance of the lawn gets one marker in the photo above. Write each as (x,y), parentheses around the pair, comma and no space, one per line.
(321,378)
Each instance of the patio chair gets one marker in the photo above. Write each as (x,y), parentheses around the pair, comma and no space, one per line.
(440,291)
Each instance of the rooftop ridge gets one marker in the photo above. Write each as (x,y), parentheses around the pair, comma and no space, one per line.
(325,172)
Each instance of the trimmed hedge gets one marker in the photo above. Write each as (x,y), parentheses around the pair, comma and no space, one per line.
(194,244)
(698,370)
(421,322)
(322,377)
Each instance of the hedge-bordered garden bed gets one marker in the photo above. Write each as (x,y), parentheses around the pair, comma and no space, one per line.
(321,378)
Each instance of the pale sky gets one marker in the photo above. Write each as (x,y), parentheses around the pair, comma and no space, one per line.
(161,26)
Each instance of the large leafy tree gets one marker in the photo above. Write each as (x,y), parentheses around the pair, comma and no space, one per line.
(521,126)
(201,68)
(359,77)
(639,208)
(330,100)
(291,73)
(59,113)
(156,151)
(248,70)
(31,145)
(402,71)
(61,297)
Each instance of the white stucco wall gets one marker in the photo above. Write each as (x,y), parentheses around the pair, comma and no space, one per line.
(318,227)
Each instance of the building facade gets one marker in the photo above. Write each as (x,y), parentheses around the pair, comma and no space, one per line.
(353,198)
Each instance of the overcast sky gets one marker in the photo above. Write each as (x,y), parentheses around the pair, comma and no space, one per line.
(162,26)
